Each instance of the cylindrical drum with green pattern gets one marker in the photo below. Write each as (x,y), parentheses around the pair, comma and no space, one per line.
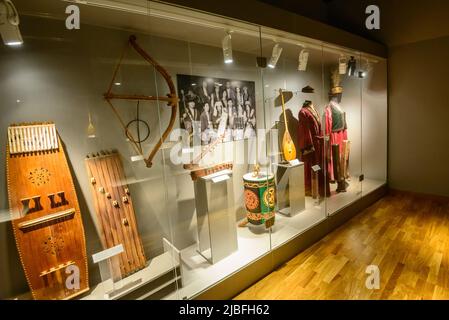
(260,198)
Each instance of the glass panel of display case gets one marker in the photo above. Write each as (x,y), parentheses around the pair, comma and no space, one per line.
(374,123)
(342,76)
(210,155)
(294,106)
(77,117)
(154,151)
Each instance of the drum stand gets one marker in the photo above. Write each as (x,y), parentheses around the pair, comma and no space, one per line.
(214,199)
(290,188)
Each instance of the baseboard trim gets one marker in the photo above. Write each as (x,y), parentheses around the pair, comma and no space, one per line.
(250,274)
(427,196)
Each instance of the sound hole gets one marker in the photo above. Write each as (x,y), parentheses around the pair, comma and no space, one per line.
(53,245)
(39,176)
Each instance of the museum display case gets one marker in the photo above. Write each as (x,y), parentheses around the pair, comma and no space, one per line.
(157,150)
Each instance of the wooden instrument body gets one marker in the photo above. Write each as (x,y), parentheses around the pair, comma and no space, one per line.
(115,212)
(288,147)
(202,172)
(47,223)
(260,198)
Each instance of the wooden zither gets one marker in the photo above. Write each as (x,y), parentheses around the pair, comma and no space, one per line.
(45,213)
(115,212)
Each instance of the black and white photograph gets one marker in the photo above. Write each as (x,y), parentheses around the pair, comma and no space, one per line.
(220,109)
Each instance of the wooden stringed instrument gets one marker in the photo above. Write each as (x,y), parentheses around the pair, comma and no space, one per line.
(45,213)
(288,147)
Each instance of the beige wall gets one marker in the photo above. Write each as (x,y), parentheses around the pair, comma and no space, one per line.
(419,113)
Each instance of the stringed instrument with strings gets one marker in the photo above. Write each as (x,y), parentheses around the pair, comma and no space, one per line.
(211,147)
(288,147)
(194,165)
(45,213)
(171,99)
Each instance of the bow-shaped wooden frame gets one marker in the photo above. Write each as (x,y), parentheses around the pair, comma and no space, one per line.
(171,99)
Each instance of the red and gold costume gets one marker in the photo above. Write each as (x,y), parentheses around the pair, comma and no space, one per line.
(336,129)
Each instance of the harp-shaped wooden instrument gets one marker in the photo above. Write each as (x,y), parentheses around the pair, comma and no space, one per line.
(171,99)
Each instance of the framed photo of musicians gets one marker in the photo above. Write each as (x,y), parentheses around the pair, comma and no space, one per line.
(222,109)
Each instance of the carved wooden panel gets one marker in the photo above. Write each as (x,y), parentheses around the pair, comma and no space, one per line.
(45,213)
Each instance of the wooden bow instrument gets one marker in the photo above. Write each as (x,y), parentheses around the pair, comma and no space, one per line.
(171,99)
(288,147)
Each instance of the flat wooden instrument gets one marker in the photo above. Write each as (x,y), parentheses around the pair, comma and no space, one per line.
(288,147)
(45,214)
(115,212)
(208,149)
(196,174)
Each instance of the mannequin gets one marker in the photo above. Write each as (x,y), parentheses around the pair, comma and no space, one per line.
(311,144)
(336,129)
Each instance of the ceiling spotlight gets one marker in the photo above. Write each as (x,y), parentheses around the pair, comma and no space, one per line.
(227,49)
(9,24)
(277,51)
(303,60)
(342,64)
(352,66)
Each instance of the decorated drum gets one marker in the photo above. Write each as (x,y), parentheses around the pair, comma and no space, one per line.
(260,198)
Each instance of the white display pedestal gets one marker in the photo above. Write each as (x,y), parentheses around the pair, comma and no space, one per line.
(217,232)
(160,273)
(291,200)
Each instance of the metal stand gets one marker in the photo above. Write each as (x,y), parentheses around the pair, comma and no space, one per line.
(291,199)
(217,233)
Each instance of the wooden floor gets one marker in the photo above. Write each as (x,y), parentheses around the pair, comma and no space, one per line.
(405,235)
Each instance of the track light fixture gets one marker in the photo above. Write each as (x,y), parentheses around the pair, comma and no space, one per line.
(9,24)
(276,54)
(227,48)
(352,66)
(342,65)
(303,60)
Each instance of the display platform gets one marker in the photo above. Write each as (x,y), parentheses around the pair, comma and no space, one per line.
(159,273)
(199,274)
(354,191)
